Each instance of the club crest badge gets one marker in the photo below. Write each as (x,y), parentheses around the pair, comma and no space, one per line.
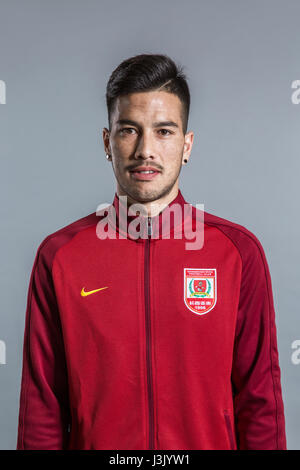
(200,289)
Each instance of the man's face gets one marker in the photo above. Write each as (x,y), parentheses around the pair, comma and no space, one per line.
(146,132)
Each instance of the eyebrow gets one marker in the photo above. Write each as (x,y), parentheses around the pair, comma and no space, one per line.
(155,124)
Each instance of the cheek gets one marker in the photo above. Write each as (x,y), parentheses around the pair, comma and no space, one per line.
(120,148)
(173,152)
(172,162)
(124,145)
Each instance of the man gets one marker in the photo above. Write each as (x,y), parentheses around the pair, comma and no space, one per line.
(134,339)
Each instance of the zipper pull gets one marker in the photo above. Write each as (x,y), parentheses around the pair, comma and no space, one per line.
(149,226)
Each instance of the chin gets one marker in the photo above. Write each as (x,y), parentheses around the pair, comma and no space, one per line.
(147,195)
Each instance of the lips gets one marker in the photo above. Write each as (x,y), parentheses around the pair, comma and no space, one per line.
(145,168)
(144,173)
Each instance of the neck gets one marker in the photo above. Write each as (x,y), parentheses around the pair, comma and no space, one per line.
(152,208)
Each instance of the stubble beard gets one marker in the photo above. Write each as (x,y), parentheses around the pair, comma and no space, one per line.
(142,196)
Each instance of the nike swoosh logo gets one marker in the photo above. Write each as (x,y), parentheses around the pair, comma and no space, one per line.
(84,293)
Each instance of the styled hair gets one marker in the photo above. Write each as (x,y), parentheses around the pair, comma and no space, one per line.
(148,72)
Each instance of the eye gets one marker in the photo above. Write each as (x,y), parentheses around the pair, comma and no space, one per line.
(165,130)
(125,129)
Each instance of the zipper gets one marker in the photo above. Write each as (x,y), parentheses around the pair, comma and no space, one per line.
(229,429)
(148,332)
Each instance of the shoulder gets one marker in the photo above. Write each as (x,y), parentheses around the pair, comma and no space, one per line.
(246,242)
(49,246)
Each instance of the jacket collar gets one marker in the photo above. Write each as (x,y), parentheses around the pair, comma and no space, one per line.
(126,226)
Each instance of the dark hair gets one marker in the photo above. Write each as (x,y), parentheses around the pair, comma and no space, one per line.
(148,72)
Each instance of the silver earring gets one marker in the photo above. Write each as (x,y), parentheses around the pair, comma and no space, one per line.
(107,156)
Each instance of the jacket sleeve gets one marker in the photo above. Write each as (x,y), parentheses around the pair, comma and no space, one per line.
(43,406)
(257,396)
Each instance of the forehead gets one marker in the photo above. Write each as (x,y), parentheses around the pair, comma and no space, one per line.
(148,105)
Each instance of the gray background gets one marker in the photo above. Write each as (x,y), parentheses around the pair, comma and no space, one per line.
(240,58)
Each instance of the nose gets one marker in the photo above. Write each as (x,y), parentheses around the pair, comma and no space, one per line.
(145,146)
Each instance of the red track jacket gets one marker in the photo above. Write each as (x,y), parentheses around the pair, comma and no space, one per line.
(139,343)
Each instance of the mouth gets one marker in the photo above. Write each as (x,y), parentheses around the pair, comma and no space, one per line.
(143,174)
